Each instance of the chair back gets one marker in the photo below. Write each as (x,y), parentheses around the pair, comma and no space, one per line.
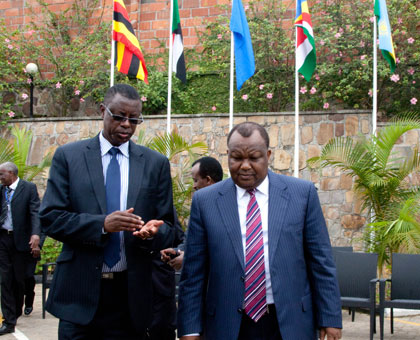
(354,272)
(405,276)
(336,249)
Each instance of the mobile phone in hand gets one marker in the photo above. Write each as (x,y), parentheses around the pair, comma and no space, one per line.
(177,253)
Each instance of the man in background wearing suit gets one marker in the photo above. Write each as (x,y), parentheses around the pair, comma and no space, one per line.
(110,202)
(19,241)
(258,262)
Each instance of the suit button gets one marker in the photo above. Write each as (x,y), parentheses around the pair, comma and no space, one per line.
(240,310)
(242,278)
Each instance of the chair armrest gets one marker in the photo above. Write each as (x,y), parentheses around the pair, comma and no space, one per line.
(45,267)
(372,289)
(382,286)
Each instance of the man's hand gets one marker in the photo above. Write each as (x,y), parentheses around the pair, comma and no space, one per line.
(175,263)
(190,337)
(122,221)
(331,333)
(36,252)
(149,229)
(34,242)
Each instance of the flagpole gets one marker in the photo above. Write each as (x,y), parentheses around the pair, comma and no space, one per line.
(296,162)
(168,114)
(375,78)
(232,62)
(112,51)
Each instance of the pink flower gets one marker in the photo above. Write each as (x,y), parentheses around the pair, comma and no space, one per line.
(143,99)
(313,90)
(10,47)
(362,43)
(219,36)
(11,114)
(403,32)
(77,92)
(24,96)
(246,7)
(363,57)
(411,70)
(340,71)
(9,63)
(213,108)
(109,61)
(24,70)
(371,19)
(269,95)
(397,60)
(261,86)
(322,42)
(245,97)
(337,35)
(326,105)
(400,20)
(29,80)
(31,32)
(410,40)
(413,101)
(414,81)
(317,77)
(58,85)
(303,90)
(370,93)
(395,78)
(6,40)
(81,82)
(82,100)
(340,30)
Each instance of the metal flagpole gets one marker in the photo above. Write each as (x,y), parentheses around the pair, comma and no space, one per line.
(296,157)
(168,114)
(375,78)
(112,50)
(232,62)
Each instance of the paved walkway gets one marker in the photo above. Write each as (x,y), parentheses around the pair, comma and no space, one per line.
(33,327)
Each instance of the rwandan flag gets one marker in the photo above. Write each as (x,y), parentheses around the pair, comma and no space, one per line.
(244,54)
(384,32)
(178,61)
(305,43)
(128,57)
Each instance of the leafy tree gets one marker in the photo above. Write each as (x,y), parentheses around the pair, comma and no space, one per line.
(382,183)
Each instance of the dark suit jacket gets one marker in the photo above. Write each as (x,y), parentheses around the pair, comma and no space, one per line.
(24,206)
(73,211)
(303,274)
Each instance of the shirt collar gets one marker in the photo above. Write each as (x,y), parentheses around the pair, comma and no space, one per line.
(262,188)
(14,184)
(106,146)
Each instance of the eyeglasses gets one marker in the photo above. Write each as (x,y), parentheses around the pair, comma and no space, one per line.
(118,118)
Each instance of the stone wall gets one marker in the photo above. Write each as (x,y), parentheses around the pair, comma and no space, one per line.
(341,209)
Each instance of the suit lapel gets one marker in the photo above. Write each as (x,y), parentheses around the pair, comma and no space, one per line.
(18,190)
(278,203)
(94,165)
(228,207)
(135,176)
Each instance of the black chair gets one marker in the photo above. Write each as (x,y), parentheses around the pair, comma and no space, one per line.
(405,286)
(46,282)
(357,278)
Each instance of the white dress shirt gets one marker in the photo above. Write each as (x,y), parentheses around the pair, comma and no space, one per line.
(261,196)
(123,161)
(8,222)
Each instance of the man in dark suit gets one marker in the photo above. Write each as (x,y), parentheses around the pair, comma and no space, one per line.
(258,262)
(110,202)
(19,241)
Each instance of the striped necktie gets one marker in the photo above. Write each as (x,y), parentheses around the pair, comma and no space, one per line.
(255,294)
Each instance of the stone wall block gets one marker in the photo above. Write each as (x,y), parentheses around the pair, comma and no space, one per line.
(325,133)
(273,134)
(353,221)
(306,135)
(282,160)
(346,182)
(352,126)
(288,134)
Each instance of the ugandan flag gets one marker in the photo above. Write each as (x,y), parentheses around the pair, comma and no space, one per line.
(178,61)
(128,57)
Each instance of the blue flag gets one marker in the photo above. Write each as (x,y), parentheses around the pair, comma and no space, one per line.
(244,54)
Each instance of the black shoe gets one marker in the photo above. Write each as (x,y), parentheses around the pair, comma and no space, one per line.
(6,329)
(28,310)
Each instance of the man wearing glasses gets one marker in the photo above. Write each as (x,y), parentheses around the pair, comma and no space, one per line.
(110,202)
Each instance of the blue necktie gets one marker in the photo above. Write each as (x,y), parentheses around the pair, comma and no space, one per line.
(113,190)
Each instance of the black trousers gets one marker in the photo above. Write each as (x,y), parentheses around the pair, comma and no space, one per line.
(29,291)
(12,271)
(164,318)
(266,328)
(112,320)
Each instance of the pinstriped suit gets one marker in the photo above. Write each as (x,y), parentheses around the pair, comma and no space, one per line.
(302,270)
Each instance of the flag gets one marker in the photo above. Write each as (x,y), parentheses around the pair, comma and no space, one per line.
(128,57)
(178,61)
(244,54)
(384,31)
(305,42)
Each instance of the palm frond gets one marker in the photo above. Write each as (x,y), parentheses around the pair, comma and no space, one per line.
(6,151)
